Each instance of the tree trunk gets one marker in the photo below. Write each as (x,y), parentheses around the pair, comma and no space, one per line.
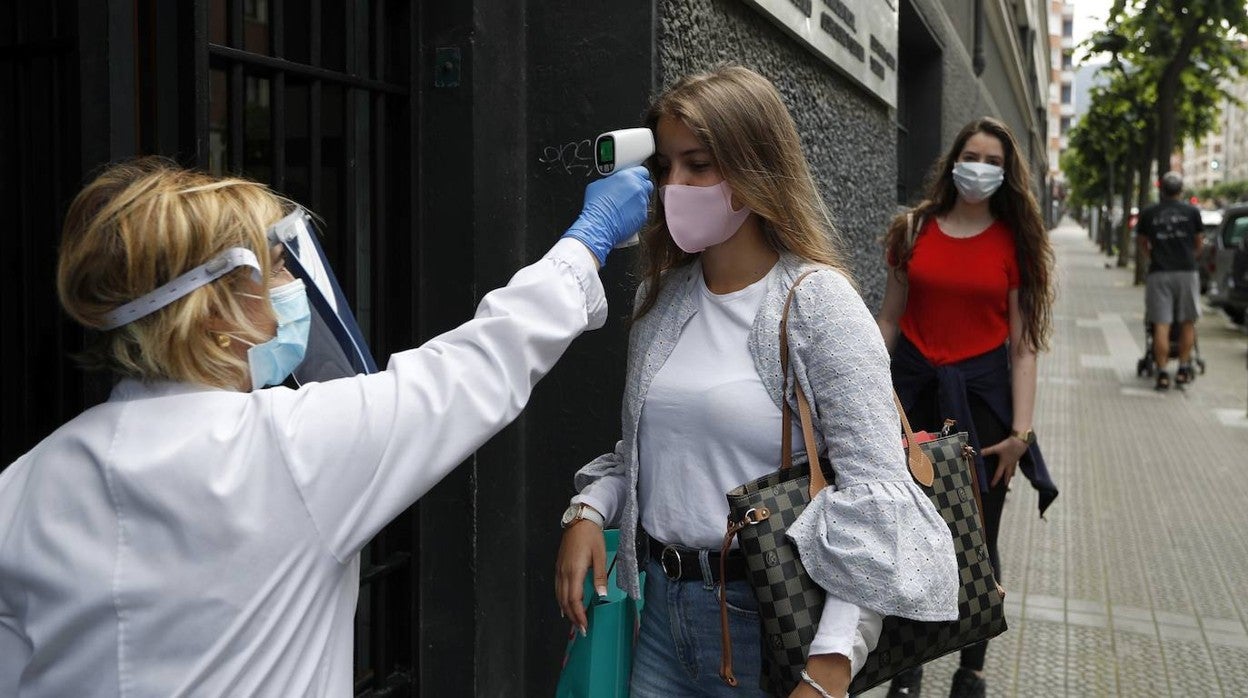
(1125,232)
(1168,90)
(1106,237)
(1142,200)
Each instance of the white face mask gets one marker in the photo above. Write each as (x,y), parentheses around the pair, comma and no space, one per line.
(977,181)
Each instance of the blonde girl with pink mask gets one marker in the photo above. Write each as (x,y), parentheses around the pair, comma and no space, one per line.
(736,220)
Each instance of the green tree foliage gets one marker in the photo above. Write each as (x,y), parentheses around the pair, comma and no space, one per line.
(1108,147)
(1168,61)
(1225,193)
(1187,49)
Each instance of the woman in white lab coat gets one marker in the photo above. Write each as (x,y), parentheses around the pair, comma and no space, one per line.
(193,535)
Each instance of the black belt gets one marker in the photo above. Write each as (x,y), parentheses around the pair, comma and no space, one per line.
(682,563)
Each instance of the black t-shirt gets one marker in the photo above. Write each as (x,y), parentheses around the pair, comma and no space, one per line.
(1171,228)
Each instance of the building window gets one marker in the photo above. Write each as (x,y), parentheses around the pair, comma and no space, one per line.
(1065,125)
(1068,28)
(1068,61)
(919,87)
(1066,94)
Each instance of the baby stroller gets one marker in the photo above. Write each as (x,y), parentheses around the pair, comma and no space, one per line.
(1147,366)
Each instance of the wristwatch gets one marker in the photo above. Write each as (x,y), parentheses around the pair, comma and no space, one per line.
(1027,436)
(576,512)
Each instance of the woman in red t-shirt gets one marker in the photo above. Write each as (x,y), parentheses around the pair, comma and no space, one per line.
(969,294)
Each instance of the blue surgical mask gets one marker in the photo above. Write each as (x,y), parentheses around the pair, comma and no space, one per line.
(277,358)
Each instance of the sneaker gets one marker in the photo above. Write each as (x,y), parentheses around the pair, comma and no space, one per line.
(1163,381)
(967,685)
(907,684)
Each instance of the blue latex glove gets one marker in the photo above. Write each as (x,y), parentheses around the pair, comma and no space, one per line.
(614,210)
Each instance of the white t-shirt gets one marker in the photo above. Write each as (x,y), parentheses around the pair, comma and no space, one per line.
(708,426)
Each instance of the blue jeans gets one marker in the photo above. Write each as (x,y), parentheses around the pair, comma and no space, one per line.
(678,646)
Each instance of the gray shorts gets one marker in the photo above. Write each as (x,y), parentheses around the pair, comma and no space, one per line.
(1172,296)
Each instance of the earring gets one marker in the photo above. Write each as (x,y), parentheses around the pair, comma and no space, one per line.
(223,340)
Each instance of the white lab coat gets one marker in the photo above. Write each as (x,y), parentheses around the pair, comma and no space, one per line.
(183,540)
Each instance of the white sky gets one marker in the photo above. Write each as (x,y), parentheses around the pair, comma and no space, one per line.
(1089,17)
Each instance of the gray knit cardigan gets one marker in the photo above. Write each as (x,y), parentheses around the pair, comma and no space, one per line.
(874,539)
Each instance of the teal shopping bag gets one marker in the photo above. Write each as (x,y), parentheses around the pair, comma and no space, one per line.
(598,665)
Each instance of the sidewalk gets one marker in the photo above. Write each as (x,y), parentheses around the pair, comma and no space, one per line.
(1136,584)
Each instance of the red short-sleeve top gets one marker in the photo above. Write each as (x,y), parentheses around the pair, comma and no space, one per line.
(958,300)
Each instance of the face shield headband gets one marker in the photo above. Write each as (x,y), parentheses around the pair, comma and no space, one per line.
(206,273)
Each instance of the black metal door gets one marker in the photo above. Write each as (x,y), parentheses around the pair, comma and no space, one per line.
(39,173)
(315,99)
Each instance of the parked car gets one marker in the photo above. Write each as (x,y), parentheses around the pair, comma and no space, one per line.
(1237,282)
(1222,277)
(1211,221)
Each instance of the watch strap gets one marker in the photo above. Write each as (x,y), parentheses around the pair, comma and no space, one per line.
(1027,436)
(583,511)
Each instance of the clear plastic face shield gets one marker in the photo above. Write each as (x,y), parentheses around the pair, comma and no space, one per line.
(336,346)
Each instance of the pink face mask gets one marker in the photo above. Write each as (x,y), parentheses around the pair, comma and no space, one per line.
(700,217)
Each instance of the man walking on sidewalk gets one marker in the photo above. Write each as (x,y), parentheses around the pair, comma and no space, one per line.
(1170,233)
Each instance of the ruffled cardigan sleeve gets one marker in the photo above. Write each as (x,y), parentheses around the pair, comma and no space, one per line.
(874,538)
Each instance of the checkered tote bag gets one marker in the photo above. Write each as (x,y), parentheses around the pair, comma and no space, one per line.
(791,603)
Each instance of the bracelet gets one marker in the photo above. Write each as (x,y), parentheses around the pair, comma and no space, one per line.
(815,685)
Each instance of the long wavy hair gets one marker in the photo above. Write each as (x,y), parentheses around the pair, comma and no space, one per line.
(740,118)
(1014,204)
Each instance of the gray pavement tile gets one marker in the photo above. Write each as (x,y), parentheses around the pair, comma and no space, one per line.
(1140,671)
(1143,627)
(1013,607)
(1131,613)
(1090,669)
(1189,668)
(1141,392)
(1179,632)
(1231,666)
(1223,625)
(1085,606)
(1226,640)
(1042,601)
(1180,619)
(1090,620)
(1041,671)
(1234,417)
(1055,615)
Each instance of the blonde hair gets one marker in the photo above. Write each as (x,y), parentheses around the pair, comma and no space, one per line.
(740,118)
(139,225)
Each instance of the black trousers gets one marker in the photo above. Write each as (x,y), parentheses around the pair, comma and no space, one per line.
(925,416)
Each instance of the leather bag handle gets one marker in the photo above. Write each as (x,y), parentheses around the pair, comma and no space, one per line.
(817,480)
(920,463)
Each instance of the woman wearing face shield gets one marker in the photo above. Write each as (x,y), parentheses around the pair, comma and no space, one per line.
(967,306)
(193,535)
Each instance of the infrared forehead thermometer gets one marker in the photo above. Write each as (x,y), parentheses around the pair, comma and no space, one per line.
(620,150)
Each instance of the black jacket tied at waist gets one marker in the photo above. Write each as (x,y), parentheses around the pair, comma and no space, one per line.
(987,377)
